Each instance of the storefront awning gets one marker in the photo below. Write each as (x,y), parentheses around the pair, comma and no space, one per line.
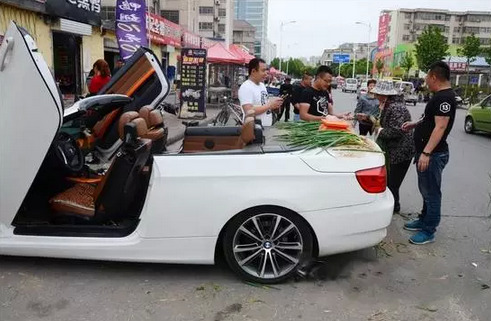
(239,52)
(219,54)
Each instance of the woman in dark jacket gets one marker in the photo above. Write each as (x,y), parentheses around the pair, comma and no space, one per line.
(397,144)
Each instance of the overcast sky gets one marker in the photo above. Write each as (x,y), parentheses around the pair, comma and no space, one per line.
(322,24)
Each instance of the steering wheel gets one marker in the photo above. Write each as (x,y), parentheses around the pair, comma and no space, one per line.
(68,152)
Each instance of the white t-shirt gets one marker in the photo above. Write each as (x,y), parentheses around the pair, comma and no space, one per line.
(256,95)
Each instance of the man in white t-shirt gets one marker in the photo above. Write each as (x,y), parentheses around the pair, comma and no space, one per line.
(253,94)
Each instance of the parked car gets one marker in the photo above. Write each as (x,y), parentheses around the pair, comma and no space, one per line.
(362,90)
(350,85)
(407,89)
(334,83)
(235,191)
(479,117)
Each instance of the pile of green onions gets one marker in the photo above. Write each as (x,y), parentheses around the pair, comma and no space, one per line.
(307,135)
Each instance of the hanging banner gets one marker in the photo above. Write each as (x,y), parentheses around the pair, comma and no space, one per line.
(131,30)
(383,29)
(193,82)
(162,31)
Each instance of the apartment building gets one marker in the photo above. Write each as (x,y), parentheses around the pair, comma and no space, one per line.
(256,13)
(244,34)
(404,26)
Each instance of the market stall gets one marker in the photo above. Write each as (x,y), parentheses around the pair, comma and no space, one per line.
(222,73)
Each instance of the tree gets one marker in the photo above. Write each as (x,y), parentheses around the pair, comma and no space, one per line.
(470,50)
(431,47)
(486,52)
(276,63)
(407,63)
(380,66)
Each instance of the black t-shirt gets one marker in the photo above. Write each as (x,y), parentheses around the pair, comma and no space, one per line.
(318,101)
(296,96)
(441,104)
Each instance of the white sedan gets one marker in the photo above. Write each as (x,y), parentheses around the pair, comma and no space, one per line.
(94,181)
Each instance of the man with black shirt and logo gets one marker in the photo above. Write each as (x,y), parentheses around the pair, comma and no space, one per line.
(314,102)
(297,94)
(430,138)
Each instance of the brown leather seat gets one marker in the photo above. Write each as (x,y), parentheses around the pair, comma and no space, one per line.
(85,200)
(156,131)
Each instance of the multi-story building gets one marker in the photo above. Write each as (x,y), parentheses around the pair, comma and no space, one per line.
(269,52)
(256,13)
(244,34)
(208,18)
(406,25)
(399,30)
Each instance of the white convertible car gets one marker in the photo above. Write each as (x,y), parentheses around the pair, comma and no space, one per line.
(94,181)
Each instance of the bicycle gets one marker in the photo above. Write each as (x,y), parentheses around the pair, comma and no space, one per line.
(229,109)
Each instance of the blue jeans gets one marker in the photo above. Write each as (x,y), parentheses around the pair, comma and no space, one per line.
(296,117)
(430,182)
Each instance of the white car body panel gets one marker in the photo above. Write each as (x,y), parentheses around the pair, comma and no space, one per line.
(190,197)
(22,111)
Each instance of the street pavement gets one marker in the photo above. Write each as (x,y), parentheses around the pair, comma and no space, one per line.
(446,280)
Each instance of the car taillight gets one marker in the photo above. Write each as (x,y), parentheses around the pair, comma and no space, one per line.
(373,180)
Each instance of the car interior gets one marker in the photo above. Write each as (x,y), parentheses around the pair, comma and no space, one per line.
(94,178)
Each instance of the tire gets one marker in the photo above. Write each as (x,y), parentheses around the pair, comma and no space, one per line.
(469,125)
(414,103)
(262,260)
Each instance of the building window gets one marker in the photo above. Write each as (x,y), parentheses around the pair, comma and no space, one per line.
(485,41)
(456,29)
(222,12)
(405,38)
(208,11)
(206,26)
(171,15)
(221,28)
(407,15)
(108,13)
(407,26)
(456,41)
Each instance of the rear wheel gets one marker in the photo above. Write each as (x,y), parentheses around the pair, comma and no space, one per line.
(469,125)
(268,245)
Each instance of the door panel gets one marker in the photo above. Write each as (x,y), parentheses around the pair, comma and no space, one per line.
(31,113)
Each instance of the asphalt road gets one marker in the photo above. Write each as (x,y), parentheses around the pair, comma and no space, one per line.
(446,280)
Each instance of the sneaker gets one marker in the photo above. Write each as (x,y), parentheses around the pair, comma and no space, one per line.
(421,238)
(415,225)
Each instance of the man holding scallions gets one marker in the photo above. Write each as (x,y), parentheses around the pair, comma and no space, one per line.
(314,102)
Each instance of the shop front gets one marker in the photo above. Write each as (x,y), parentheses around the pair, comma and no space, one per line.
(77,43)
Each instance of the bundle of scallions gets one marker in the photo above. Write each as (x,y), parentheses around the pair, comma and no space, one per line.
(307,135)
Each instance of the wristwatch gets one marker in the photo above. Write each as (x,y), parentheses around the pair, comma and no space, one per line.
(426,154)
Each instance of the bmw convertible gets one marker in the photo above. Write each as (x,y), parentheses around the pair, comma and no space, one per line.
(94,181)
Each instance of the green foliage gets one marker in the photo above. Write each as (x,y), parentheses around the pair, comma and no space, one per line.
(407,63)
(360,69)
(486,52)
(470,49)
(431,47)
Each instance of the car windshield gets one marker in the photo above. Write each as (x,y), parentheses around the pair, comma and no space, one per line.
(351,81)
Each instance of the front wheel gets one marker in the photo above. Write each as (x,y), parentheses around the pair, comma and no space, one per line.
(268,245)
(469,125)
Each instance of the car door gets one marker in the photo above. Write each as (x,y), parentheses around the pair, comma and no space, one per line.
(31,114)
(482,115)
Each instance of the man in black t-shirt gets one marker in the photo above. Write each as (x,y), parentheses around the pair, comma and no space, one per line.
(315,101)
(297,94)
(430,139)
